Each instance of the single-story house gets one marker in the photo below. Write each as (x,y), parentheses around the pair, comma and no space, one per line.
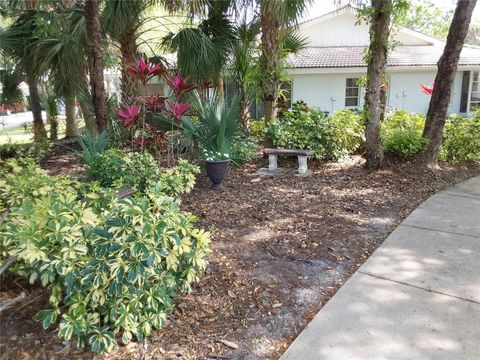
(325,74)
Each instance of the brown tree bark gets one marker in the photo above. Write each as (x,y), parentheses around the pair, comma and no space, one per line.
(129,83)
(442,91)
(95,62)
(245,112)
(270,23)
(39,133)
(53,128)
(377,66)
(71,129)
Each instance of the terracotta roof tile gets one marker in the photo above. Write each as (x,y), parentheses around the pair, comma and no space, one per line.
(352,56)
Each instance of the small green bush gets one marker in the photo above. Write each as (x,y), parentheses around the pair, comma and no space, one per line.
(36,151)
(332,137)
(402,133)
(119,169)
(111,271)
(243,149)
(178,180)
(461,139)
(22,179)
(257,128)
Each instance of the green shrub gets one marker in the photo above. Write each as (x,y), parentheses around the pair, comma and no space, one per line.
(243,149)
(402,133)
(22,179)
(36,151)
(257,128)
(119,169)
(332,137)
(111,271)
(179,180)
(461,139)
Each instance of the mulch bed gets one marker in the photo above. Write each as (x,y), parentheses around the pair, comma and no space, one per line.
(282,246)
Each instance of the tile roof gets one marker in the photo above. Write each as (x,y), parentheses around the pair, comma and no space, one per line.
(352,56)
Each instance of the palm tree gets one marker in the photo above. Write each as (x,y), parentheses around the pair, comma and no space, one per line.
(62,55)
(276,17)
(49,103)
(243,65)
(122,21)
(95,61)
(17,42)
(203,50)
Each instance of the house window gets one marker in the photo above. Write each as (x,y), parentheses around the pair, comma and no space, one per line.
(475,92)
(352,92)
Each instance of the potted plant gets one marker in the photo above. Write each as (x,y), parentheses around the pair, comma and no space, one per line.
(217,126)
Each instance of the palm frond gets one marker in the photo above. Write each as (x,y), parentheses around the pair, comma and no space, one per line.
(11,93)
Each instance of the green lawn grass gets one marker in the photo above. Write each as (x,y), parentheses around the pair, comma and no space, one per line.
(20,135)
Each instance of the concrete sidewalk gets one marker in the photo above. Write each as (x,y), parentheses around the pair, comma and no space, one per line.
(417,297)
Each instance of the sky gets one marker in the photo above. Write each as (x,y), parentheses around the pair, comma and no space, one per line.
(320,7)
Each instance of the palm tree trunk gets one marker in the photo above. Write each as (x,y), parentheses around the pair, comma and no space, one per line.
(447,68)
(270,23)
(219,88)
(95,62)
(53,128)
(377,66)
(88,117)
(39,133)
(129,83)
(71,129)
(245,111)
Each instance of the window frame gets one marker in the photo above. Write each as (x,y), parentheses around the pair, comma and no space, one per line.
(357,97)
(474,79)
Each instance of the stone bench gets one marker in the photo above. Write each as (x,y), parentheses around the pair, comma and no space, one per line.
(301,154)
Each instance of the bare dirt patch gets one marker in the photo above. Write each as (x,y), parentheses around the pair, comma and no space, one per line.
(282,247)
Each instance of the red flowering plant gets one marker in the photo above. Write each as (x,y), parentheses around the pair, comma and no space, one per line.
(427,89)
(151,116)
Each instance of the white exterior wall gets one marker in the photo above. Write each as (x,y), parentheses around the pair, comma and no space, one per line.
(343,30)
(338,31)
(405,91)
(317,89)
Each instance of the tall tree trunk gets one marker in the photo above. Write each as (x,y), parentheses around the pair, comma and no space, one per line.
(95,62)
(71,129)
(87,110)
(270,23)
(53,127)
(88,117)
(442,91)
(245,110)
(377,66)
(219,88)
(39,133)
(129,83)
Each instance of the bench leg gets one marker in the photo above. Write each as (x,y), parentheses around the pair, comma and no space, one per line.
(272,162)
(302,164)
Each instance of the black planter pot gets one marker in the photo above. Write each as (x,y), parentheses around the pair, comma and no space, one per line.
(216,172)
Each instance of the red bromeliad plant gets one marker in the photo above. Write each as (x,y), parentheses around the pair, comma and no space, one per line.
(172,107)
